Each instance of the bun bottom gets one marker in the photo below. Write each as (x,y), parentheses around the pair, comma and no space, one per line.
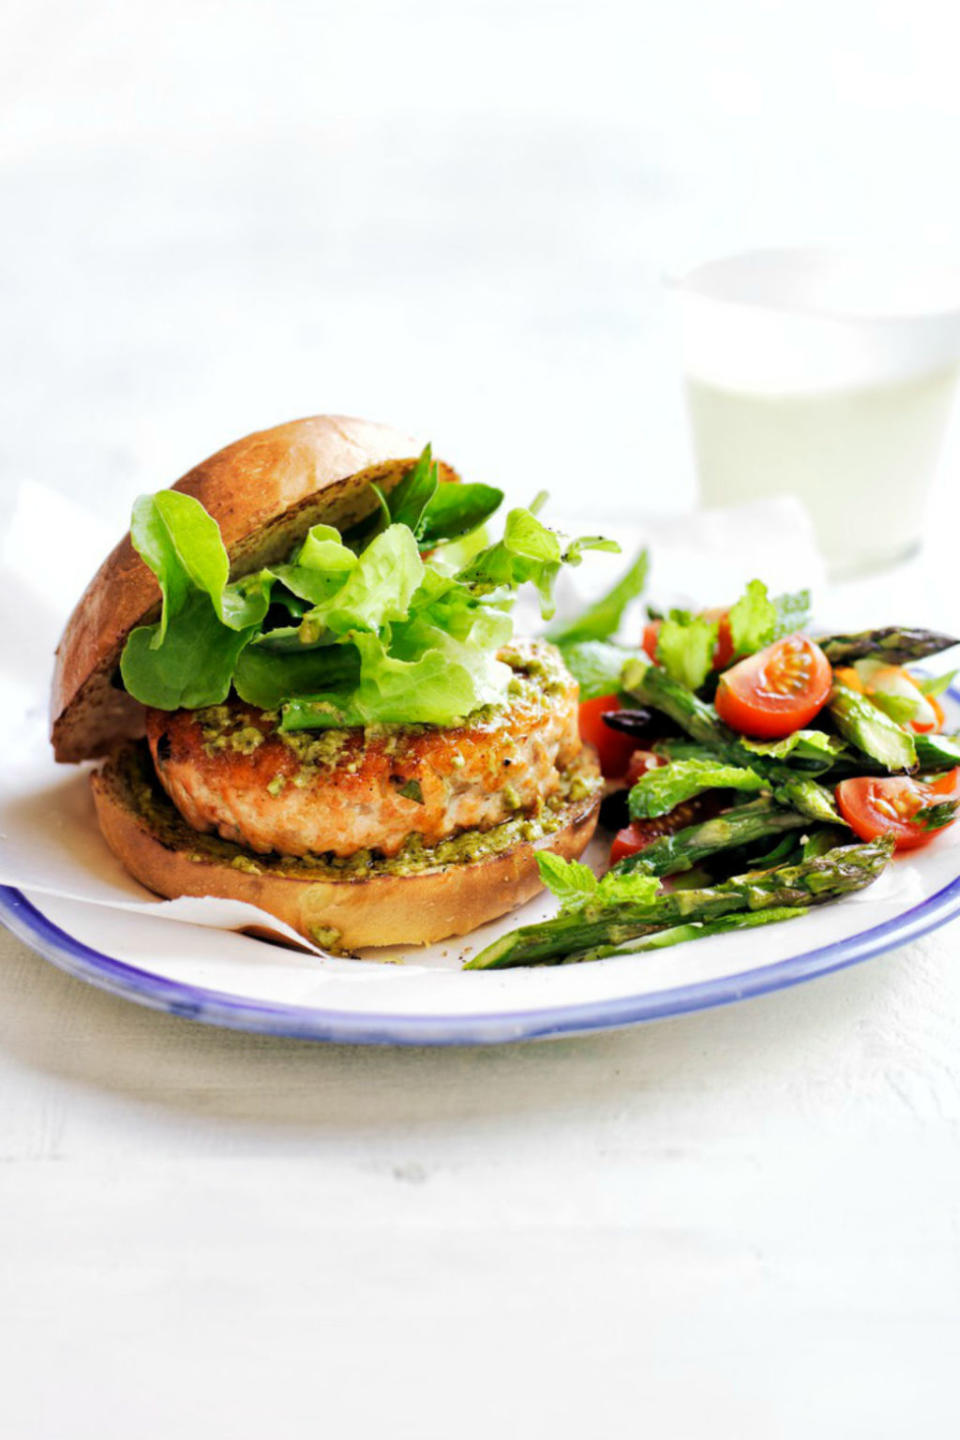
(341,911)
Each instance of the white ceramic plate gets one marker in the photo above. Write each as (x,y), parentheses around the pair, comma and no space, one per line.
(251,985)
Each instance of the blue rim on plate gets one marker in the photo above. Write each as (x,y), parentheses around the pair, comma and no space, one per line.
(215,1007)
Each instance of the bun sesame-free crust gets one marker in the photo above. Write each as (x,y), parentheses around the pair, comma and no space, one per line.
(264,492)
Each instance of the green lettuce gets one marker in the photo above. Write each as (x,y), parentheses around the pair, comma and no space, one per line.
(756,620)
(664,788)
(685,647)
(529,553)
(188,657)
(365,632)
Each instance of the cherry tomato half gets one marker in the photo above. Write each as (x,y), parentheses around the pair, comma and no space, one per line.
(777,691)
(641,762)
(612,746)
(629,840)
(887,805)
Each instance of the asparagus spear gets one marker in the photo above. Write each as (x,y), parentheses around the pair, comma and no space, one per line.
(894,643)
(813,800)
(872,730)
(937,752)
(934,752)
(694,930)
(686,848)
(840,871)
(653,686)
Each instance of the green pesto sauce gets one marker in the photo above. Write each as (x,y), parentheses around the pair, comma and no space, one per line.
(151,801)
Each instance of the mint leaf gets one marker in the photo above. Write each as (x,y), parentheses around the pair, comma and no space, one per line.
(661,790)
(935,685)
(596,666)
(602,619)
(936,817)
(572,882)
(753,620)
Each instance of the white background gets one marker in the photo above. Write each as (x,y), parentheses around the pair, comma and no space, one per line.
(455,217)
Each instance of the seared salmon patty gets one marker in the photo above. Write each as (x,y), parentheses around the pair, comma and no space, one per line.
(231,770)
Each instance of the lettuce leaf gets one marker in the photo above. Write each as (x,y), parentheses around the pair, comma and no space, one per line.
(193,666)
(815,746)
(663,789)
(685,647)
(429,690)
(188,657)
(368,633)
(756,620)
(377,588)
(266,677)
(528,553)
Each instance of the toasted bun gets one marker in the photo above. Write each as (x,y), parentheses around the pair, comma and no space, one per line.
(264,492)
(346,913)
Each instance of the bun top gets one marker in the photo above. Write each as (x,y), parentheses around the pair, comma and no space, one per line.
(265,492)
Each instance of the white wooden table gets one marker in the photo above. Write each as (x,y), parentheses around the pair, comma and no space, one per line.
(743,1223)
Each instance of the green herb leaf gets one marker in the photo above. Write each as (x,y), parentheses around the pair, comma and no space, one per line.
(933,686)
(266,677)
(596,665)
(685,647)
(408,502)
(661,790)
(576,886)
(753,620)
(936,817)
(572,882)
(793,614)
(456,511)
(411,791)
(757,621)
(528,553)
(602,619)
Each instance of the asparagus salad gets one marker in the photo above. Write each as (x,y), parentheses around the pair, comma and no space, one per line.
(752,769)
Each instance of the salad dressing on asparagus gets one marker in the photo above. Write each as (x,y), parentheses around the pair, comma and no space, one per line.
(754,770)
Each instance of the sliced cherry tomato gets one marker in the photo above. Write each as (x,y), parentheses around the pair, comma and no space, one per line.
(723,651)
(612,746)
(945,786)
(628,841)
(777,691)
(641,833)
(651,634)
(888,805)
(642,761)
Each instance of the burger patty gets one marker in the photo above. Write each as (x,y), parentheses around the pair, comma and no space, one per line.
(230,769)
